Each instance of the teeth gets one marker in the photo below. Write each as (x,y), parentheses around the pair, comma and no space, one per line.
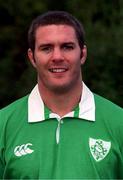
(57,70)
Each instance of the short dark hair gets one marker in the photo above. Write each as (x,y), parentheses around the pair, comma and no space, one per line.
(57,18)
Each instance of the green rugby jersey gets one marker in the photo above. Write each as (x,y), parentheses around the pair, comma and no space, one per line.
(87,143)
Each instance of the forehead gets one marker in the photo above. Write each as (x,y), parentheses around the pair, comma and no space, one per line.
(53,32)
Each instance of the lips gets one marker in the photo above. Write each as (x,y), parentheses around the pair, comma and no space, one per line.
(58,70)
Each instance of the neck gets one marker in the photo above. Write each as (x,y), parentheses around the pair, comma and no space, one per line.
(62,103)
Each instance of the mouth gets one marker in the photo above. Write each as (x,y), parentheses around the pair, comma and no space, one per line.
(58,70)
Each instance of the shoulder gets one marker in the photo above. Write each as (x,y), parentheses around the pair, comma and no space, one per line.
(109,117)
(103,104)
(109,113)
(14,106)
(14,110)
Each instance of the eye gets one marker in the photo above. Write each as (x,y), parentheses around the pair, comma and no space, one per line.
(68,47)
(46,49)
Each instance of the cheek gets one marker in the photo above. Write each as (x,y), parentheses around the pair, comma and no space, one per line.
(76,56)
(41,59)
(76,61)
(77,65)
(39,62)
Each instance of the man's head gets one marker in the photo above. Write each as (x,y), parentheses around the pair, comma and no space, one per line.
(57,51)
(56,18)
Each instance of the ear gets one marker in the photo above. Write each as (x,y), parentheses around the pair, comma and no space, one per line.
(31,57)
(83,54)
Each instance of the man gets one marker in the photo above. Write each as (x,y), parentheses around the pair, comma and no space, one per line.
(61,130)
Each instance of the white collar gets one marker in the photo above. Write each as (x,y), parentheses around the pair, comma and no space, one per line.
(36,108)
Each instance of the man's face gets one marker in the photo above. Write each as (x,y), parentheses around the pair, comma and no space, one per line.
(57,57)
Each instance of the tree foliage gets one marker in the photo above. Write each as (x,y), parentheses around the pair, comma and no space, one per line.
(103,23)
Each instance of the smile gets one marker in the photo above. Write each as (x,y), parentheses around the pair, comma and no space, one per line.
(58,70)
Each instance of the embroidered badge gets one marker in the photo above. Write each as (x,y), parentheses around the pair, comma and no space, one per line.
(23,149)
(99,148)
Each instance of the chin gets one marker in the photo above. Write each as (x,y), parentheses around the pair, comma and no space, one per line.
(60,88)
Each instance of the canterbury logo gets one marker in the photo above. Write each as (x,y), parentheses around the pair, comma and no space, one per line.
(23,149)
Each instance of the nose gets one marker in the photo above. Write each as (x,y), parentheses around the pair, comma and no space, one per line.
(57,55)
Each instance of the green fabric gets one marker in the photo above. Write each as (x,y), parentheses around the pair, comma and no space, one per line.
(72,157)
(46,112)
(76,112)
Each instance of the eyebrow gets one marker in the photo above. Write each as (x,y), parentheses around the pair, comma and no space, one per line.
(68,43)
(50,44)
(45,44)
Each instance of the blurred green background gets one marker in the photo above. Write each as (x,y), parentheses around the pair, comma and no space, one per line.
(103,22)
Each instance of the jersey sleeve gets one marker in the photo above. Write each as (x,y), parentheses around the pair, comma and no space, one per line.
(121,150)
(118,130)
(1,167)
(2,164)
